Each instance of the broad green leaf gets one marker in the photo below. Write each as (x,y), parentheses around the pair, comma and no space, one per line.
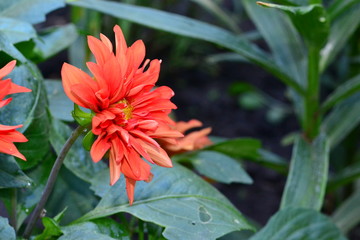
(11,175)
(188,27)
(16,31)
(98,229)
(59,104)
(30,196)
(78,160)
(177,199)
(342,119)
(73,193)
(31,11)
(341,92)
(7,47)
(299,224)
(54,40)
(220,167)
(223,57)
(306,182)
(238,148)
(347,215)
(340,31)
(6,231)
(339,6)
(272,160)
(311,21)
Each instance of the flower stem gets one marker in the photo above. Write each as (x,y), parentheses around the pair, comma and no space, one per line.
(51,181)
(13,208)
(312,116)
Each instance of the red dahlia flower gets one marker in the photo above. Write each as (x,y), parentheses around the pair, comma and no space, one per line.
(8,134)
(195,140)
(129,113)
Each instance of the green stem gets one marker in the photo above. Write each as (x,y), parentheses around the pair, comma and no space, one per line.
(311,120)
(141,229)
(13,208)
(51,181)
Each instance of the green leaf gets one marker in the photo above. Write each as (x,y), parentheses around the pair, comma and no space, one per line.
(342,119)
(306,182)
(55,40)
(78,159)
(347,215)
(341,92)
(52,229)
(272,160)
(11,175)
(345,176)
(6,231)
(299,224)
(16,31)
(98,229)
(176,198)
(31,11)
(220,167)
(218,12)
(311,21)
(73,193)
(341,29)
(281,36)
(59,104)
(7,47)
(188,27)
(238,148)
(337,7)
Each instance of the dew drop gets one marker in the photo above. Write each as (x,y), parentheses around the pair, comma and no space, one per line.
(322,19)
(193,223)
(236,221)
(27,210)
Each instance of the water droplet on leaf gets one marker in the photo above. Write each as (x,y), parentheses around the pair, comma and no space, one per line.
(204,215)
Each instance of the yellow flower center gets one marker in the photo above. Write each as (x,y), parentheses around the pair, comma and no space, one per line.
(127,110)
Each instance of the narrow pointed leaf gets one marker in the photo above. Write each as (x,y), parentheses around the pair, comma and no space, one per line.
(347,215)
(299,224)
(306,182)
(341,92)
(188,27)
(342,119)
(340,31)
(187,206)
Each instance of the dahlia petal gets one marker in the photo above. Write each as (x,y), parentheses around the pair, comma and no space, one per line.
(134,167)
(158,155)
(9,128)
(5,86)
(99,49)
(130,187)
(5,102)
(7,69)
(18,89)
(85,96)
(120,42)
(115,172)
(10,148)
(139,149)
(99,148)
(117,150)
(182,126)
(12,136)
(106,42)
(164,131)
(70,76)
(136,54)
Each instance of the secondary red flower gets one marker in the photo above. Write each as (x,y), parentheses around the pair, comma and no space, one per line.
(129,112)
(8,134)
(193,141)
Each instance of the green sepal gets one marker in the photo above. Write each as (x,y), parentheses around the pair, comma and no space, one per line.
(81,117)
(88,140)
